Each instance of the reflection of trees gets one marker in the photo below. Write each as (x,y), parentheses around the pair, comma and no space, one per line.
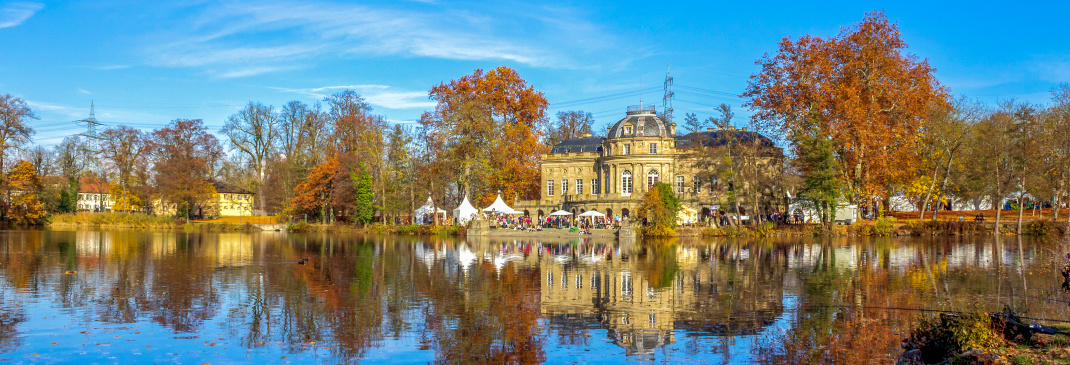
(486,317)
(737,296)
(182,295)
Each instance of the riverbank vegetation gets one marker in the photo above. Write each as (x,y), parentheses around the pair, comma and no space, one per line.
(110,220)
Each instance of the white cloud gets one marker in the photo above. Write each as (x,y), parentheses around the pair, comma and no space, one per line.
(14,14)
(250,71)
(84,91)
(377,95)
(266,34)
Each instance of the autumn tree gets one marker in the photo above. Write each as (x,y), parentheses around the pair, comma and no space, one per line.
(943,139)
(659,208)
(860,90)
(15,131)
(508,117)
(569,125)
(1057,127)
(253,131)
(185,156)
(360,135)
(302,133)
(313,196)
(125,149)
(26,208)
(401,192)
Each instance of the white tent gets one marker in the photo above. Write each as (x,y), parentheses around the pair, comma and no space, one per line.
(427,209)
(561,212)
(499,207)
(465,212)
(592,213)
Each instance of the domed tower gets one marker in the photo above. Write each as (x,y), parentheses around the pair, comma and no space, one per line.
(638,151)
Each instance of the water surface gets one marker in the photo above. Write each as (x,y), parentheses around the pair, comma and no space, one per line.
(162,297)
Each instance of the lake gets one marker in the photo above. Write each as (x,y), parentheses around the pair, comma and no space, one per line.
(194,298)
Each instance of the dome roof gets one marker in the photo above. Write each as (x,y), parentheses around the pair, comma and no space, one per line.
(644,122)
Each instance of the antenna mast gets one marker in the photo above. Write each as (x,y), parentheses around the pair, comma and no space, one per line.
(666,101)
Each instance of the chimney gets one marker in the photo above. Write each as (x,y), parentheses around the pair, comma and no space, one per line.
(585,135)
(744,129)
(732,128)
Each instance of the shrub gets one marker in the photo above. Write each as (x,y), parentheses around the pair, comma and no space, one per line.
(948,335)
(763,229)
(884,226)
(659,231)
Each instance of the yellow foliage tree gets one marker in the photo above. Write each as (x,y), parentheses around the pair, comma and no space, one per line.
(25,208)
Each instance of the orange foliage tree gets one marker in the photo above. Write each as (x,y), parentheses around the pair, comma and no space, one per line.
(859,90)
(313,197)
(489,126)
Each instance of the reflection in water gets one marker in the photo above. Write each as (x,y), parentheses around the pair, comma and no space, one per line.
(343,298)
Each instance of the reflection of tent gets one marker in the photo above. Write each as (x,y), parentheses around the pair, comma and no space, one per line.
(465,212)
(499,207)
(427,209)
(686,214)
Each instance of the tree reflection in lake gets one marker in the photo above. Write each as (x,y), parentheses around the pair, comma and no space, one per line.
(344,298)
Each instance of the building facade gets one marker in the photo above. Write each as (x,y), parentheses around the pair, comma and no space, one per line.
(610,174)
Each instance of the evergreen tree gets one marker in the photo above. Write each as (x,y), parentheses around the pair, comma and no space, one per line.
(362,187)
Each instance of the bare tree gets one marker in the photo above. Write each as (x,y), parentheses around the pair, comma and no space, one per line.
(15,131)
(569,125)
(253,132)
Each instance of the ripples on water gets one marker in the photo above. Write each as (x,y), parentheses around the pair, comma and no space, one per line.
(121,296)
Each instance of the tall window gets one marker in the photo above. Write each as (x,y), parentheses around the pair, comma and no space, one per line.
(698,185)
(679,184)
(550,187)
(579,186)
(564,186)
(713,184)
(653,148)
(651,178)
(627,148)
(594,187)
(626,182)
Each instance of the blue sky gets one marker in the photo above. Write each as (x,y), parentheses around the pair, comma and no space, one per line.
(147,63)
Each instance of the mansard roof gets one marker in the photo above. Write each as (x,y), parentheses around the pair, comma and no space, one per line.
(721,137)
(585,144)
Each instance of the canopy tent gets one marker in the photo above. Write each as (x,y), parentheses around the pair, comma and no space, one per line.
(465,212)
(591,213)
(500,207)
(561,212)
(428,209)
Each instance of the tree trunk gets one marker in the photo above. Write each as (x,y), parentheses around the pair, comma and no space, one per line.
(943,187)
(925,202)
(997,202)
(1021,210)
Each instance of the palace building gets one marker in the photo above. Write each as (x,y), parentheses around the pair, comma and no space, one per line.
(610,174)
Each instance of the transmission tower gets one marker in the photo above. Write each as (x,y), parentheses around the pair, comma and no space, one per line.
(91,135)
(666,101)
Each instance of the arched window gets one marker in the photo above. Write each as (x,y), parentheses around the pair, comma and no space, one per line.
(626,182)
(651,178)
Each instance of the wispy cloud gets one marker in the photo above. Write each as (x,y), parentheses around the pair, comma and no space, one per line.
(11,15)
(377,95)
(263,34)
(84,91)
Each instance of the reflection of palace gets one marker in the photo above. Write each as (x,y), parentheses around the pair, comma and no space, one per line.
(610,174)
(641,297)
